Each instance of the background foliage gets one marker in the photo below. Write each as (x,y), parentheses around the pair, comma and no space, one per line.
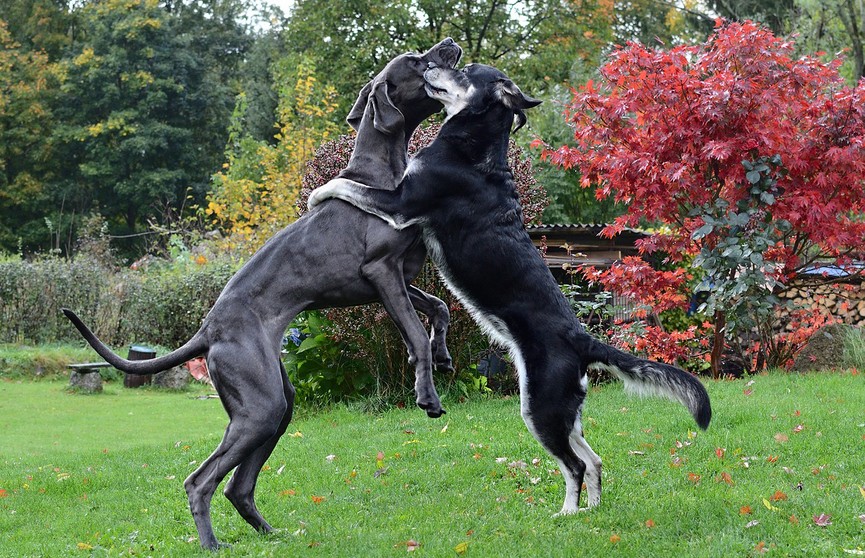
(122,107)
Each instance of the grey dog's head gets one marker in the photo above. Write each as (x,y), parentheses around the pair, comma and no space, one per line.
(476,89)
(397,96)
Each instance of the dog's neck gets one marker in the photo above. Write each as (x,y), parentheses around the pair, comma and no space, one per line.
(382,163)
(482,141)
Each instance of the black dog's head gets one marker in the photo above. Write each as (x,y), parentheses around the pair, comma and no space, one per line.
(397,96)
(477,89)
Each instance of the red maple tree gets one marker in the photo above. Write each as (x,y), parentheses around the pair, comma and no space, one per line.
(671,133)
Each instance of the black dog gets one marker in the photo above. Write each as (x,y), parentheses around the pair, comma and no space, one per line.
(462,194)
(334,256)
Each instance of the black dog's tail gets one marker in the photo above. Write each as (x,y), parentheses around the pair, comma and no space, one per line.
(646,377)
(193,348)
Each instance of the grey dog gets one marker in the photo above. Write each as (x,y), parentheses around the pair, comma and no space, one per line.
(334,256)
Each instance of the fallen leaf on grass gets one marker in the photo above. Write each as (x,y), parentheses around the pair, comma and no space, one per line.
(720,452)
(745,510)
(725,477)
(84,546)
(461,548)
(772,459)
(410,545)
(317,499)
(794,520)
(761,547)
(650,523)
(778,496)
(823,520)
(781,438)
(798,428)
(694,478)
(862,491)
(615,538)
(381,471)
(752,523)
(3,493)
(769,506)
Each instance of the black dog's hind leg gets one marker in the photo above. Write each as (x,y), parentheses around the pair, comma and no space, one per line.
(255,409)
(556,424)
(240,489)
(439,317)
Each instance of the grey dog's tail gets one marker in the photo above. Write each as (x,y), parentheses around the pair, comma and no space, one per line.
(646,377)
(193,348)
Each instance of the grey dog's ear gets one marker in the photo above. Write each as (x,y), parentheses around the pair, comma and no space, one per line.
(512,97)
(355,115)
(387,119)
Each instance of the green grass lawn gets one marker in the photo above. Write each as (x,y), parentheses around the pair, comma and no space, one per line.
(103,476)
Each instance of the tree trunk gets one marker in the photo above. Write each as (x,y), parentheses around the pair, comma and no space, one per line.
(718,345)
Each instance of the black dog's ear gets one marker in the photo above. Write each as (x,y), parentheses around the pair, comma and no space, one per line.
(512,97)
(355,115)
(387,119)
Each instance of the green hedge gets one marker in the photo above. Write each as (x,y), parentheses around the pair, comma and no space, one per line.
(162,306)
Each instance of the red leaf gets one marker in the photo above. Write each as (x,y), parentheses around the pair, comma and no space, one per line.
(745,510)
(778,496)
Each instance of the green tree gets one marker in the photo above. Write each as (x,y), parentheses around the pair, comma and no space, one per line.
(778,15)
(142,117)
(835,26)
(39,25)
(27,82)
(351,40)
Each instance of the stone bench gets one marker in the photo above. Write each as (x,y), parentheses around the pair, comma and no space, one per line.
(86,377)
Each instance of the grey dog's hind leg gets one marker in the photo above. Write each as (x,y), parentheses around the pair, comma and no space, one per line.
(438,315)
(387,276)
(240,490)
(255,406)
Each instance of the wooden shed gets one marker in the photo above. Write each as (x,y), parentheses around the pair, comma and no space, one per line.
(567,246)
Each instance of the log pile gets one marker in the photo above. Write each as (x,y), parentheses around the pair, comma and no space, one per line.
(845,302)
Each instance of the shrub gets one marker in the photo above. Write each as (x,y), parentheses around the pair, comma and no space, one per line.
(32,293)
